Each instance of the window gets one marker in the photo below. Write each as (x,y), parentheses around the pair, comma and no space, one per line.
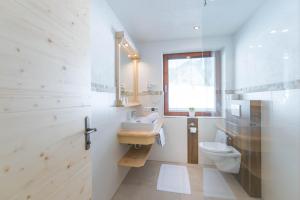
(192,80)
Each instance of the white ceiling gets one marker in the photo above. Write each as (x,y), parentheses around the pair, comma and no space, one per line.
(157,20)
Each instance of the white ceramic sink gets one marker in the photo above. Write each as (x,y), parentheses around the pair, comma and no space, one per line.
(145,123)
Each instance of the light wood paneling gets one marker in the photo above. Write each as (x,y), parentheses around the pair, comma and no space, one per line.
(44,97)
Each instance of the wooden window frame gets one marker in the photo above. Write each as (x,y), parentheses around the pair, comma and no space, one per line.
(218,79)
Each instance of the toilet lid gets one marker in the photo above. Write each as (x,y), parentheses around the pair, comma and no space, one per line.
(216,147)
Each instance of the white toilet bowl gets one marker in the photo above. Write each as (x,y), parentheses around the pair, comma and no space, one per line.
(226,158)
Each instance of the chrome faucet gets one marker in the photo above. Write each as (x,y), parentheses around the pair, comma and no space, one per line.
(133,114)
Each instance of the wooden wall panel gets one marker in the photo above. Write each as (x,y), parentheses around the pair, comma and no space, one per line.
(192,141)
(246,138)
(44,98)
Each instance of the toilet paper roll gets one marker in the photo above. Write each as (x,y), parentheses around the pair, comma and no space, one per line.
(193,130)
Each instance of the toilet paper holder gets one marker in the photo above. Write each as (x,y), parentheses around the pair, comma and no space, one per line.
(192,128)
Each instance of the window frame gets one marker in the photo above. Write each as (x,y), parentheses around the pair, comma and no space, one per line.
(218,81)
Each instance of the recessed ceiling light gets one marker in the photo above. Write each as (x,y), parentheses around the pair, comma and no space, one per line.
(273,32)
(285,57)
(126,44)
(196,27)
(285,30)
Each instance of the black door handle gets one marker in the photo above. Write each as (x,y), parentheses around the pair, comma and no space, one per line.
(87,133)
(90,130)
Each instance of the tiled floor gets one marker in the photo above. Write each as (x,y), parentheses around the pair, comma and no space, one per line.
(140,184)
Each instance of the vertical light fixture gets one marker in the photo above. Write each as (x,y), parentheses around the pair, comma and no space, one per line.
(205,3)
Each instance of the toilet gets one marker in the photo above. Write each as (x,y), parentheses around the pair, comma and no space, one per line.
(226,158)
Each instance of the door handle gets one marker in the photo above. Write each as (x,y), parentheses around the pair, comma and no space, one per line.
(87,133)
(90,130)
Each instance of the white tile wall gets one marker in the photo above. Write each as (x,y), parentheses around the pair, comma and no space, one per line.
(267,50)
(280,143)
(106,151)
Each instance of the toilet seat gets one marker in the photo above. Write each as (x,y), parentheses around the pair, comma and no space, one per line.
(216,147)
(226,158)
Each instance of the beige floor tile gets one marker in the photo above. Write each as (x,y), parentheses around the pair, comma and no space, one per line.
(146,175)
(201,196)
(143,192)
(128,192)
(140,184)
(195,174)
(236,188)
(193,196)
(165,196)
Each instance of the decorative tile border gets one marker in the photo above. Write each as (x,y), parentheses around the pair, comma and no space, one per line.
(151,93)
(143,93)
(229,91)
(102,88)
(289,85)
(127,93)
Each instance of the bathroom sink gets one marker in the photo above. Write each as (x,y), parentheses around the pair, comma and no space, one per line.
(144,123)
(137,126)
(140,130)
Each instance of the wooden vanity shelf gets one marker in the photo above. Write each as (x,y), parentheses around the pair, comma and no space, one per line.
(136,157)
(140,137)
(132,104)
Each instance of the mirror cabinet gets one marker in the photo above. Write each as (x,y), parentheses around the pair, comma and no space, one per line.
(127,60)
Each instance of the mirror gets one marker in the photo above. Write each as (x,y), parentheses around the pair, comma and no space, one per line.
(126,72)
(126,77)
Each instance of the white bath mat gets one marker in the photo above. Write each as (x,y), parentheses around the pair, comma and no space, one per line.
(214,185)
(174,178)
